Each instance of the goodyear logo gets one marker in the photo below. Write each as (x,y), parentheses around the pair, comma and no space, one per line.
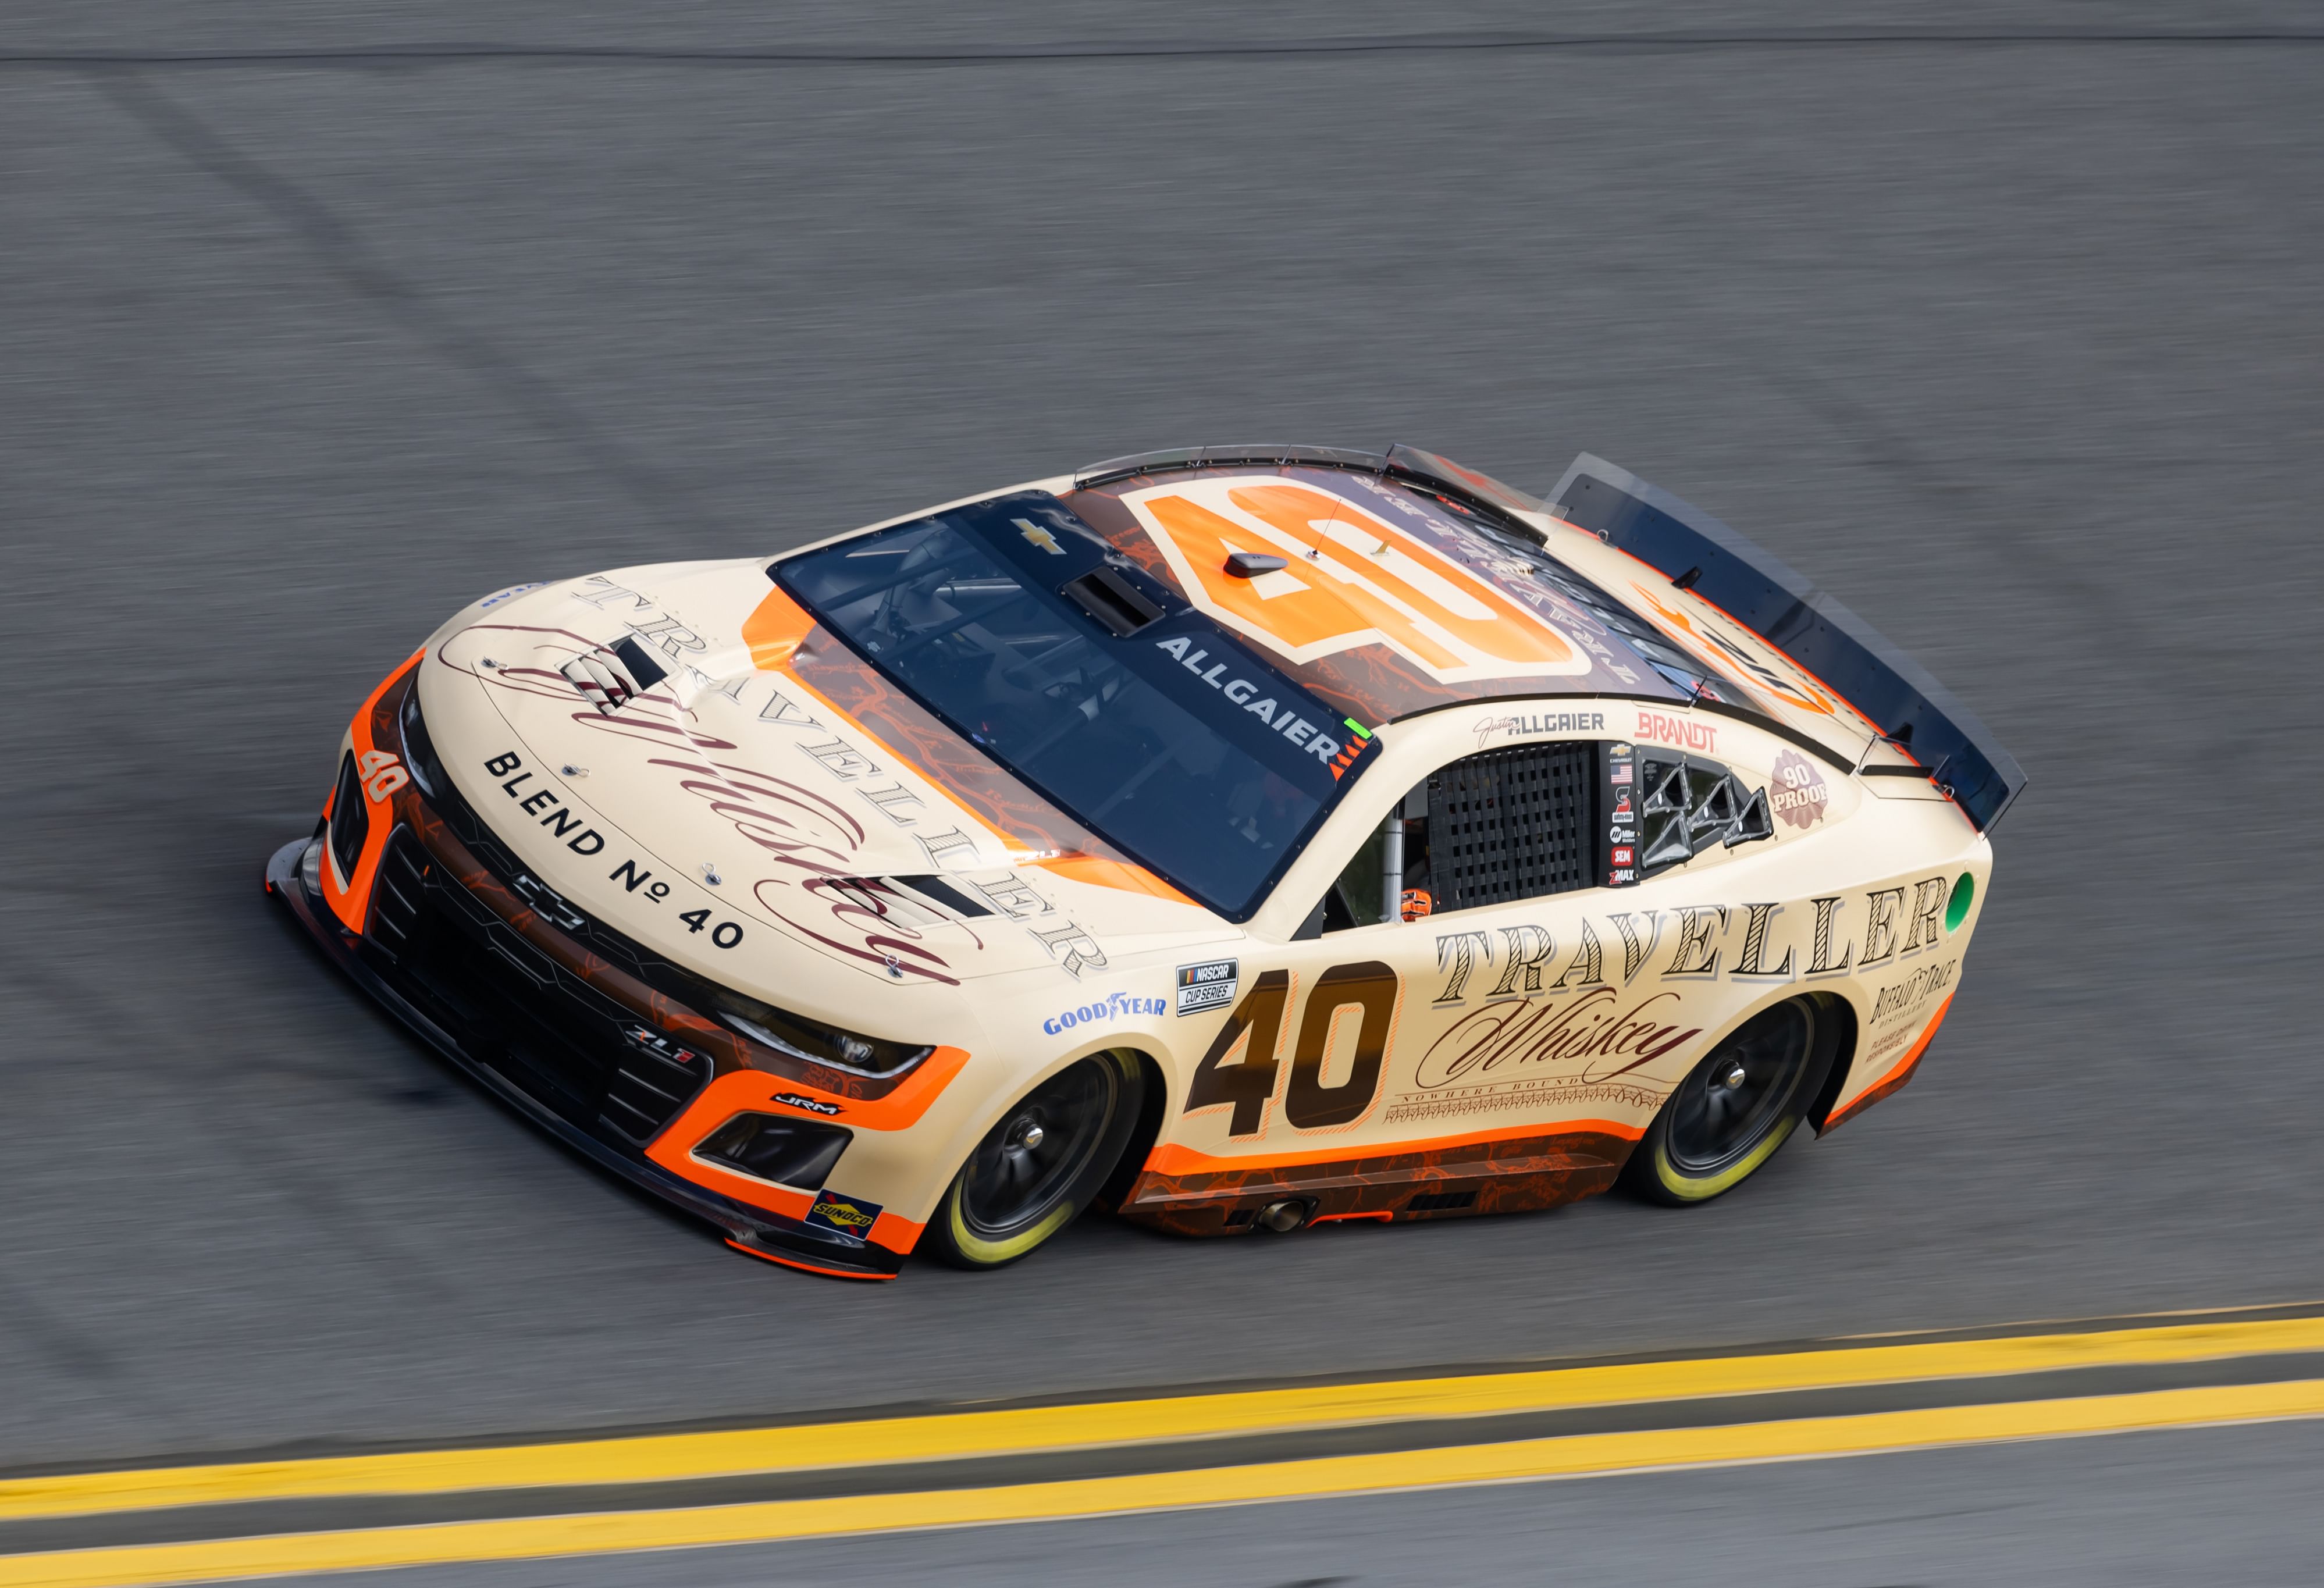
(849,1215)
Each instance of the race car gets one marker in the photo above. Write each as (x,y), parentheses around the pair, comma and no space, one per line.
(1236,839)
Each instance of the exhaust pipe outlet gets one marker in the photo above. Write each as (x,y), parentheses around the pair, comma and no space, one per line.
(1283,1217)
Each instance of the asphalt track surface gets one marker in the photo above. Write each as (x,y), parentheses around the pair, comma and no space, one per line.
(316,322)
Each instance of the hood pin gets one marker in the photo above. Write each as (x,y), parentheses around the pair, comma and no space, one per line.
(895,967)
(570,770)
(710,874)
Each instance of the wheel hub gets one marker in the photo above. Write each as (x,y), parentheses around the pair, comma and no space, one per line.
(1743,1094)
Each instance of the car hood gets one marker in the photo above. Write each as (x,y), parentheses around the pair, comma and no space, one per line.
(767,809)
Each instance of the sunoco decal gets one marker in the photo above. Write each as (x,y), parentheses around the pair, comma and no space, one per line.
(850,1217)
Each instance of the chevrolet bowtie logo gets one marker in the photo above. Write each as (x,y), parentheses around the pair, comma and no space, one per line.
(1040,536)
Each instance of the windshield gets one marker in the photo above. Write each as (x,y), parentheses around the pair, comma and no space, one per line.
(1094,683)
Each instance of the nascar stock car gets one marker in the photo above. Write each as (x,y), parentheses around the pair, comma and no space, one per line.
(1237,839)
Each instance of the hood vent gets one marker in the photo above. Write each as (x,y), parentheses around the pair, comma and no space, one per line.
(611,677)
(1113,601)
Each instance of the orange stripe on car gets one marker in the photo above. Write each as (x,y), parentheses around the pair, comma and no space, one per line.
(1892,1081)
(1101,872)
(349,905)
(1170,1158)
(802,1264)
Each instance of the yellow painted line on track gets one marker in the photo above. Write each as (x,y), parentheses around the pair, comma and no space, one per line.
(956,1435)
(1520,1461)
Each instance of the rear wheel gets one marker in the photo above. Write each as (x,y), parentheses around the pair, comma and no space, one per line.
(1040,1166)
(1733,1111)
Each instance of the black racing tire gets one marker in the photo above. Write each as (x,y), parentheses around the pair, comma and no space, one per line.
(1037,1169)
(1735,1109)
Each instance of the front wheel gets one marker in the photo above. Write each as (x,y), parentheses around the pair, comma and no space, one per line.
(1040,1166)
(1733,1111)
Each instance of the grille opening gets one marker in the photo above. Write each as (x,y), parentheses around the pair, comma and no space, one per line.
(551,1036)
(350,819)
(776,1146)
(397,892)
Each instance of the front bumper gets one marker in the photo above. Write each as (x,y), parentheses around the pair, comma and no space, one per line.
(480,999)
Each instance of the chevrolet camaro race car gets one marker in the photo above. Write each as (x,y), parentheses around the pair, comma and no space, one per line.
(1236,839)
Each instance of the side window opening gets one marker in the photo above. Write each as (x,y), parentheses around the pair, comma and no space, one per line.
(1530,820)
(1491,828)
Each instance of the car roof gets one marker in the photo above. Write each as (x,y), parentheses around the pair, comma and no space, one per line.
(1410,584)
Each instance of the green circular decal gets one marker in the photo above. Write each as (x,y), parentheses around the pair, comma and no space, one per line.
(1957,907)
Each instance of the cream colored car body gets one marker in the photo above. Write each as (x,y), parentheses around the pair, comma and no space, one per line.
(1572,1014)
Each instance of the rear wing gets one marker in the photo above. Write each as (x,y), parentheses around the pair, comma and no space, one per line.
(1760,591)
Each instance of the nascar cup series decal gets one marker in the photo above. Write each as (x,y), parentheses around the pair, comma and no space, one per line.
(1205,986)
(1115,1006)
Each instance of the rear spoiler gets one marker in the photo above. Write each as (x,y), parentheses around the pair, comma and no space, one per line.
(1759,590)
